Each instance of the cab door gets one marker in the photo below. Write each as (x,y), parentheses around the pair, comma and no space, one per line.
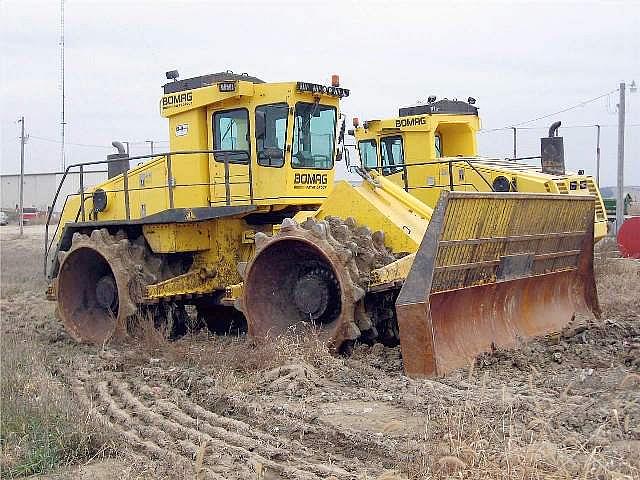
(368,150)
(392,160)
(230,165)
(271,127)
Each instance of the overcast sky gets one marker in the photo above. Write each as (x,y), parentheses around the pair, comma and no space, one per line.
(520,60)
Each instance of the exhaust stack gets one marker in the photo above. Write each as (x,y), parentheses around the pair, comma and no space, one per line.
(115,168)
(552,152)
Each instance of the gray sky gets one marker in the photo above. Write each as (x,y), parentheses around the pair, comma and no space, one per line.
(520,60)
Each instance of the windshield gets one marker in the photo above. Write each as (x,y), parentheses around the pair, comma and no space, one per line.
(314,132)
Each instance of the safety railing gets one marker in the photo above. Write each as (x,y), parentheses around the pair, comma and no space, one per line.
(170,185)
(449,163)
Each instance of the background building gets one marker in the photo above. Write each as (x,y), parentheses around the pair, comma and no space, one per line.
(40,188)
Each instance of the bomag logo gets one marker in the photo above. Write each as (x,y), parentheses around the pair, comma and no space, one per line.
(177,100)
(316,181)
(410,122)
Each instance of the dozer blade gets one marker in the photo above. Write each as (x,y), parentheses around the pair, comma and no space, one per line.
(494,270)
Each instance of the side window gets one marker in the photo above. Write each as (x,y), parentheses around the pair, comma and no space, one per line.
(438,145)
(271,130)
(392,155)
(368,154)
(231,136)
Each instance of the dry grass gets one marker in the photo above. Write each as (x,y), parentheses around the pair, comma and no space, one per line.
(461,443)
(20,271)
(42,427)
(618,285)
(245,355)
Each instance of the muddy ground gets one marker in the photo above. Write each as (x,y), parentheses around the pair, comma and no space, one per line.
(566,406)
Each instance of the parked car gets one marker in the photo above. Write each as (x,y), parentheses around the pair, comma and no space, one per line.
(4,218)
(30,215)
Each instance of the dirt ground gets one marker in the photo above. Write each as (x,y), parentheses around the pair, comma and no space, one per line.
(566,406)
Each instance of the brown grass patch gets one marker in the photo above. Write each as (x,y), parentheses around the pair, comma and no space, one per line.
(42,427)
(618,285)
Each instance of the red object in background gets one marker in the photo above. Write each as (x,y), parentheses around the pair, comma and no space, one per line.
(30,214)
(629,238)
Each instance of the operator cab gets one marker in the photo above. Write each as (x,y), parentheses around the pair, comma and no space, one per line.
(273,144)
(444,128)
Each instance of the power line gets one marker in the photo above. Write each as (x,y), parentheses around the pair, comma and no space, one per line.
(563,127)
(578,105)
(45,139)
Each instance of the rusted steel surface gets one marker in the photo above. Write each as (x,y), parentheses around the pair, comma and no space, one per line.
(301,276)
(494,270)
(91,263)
(101,284)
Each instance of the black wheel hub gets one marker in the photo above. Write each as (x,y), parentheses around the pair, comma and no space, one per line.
(316,294)
(107,293)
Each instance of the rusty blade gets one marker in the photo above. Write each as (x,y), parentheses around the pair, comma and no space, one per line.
(494,270)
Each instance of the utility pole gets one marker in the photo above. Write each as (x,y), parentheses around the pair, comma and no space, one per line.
(21,207)
(150,142)
(598,156)
(515,154)
(620,186)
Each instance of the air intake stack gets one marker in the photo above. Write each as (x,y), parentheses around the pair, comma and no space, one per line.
(552,152)
(115,168)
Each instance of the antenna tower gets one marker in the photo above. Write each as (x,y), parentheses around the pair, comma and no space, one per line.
(62,100)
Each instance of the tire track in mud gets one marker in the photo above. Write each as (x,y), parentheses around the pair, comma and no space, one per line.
(108,413)
(175,431)
(352,449)
(305,431)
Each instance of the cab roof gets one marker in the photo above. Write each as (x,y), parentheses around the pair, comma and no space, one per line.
(207,81)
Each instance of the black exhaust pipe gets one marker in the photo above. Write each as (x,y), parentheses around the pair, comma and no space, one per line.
(552,152)
(115,168)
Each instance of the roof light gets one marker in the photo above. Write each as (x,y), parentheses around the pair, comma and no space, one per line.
(471,101)
(431,99)
(335,80)
(172,75)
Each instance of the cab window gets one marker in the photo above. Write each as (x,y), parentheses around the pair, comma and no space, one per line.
(271,130)
(392,155)
(314,132)
(438,146)
(368,154)
(231,136)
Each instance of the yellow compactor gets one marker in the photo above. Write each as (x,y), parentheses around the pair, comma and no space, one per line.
(242,220)
(433,147)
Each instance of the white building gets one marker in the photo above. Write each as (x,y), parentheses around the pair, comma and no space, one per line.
(40,188)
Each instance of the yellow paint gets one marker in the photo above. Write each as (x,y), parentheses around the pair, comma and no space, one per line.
(178,237)
(457,136)
(383,206)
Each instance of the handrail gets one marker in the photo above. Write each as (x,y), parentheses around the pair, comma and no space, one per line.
(449,162)
(170,186)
